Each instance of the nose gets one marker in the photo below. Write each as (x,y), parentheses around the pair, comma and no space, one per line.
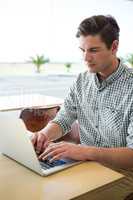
(87,56)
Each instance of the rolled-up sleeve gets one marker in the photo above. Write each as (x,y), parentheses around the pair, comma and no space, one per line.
(68,112)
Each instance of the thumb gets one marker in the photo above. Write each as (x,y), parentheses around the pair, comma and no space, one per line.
(34,138)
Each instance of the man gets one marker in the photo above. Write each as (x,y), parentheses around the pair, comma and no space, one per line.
(101,99)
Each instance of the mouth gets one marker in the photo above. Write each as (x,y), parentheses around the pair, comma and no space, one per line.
(91,65)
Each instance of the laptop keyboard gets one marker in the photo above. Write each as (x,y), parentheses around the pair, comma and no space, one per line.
(47,165)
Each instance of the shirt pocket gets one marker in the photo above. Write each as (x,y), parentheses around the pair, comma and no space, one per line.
(111,126)
(112,118)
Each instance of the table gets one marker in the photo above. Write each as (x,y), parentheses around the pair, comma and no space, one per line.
(88,180)
(85,181)
(18,102)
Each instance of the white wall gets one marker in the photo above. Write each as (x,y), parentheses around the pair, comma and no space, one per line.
(30,27)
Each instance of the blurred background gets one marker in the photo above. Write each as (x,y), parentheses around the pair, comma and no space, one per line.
(38,48)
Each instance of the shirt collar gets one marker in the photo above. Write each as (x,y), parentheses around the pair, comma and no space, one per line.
(114,76)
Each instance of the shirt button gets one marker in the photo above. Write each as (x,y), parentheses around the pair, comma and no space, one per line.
(96,126)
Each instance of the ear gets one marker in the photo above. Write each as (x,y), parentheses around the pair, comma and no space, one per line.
(114,47)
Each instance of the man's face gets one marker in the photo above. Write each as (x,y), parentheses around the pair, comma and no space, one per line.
(96,55)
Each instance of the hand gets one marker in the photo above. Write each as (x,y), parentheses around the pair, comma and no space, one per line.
(65,150)
(40,142)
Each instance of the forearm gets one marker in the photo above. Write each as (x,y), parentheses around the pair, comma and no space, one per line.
(121,157)
(52,130)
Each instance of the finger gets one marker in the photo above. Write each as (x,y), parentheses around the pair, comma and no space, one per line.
(52,154)
(46,144)
(58,156)
(40,142)
(34,139)
(49,150)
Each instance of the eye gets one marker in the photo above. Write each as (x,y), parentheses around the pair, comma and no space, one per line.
(94,50)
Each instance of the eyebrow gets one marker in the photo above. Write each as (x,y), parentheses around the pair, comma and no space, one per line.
(92,48)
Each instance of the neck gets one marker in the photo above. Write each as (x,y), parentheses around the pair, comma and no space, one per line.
(109,70)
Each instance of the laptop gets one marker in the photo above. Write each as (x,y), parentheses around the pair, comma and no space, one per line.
(16,144)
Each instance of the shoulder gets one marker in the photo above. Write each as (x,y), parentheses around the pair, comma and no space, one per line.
(83,77)
(126,80)
(80,82)
(128,71)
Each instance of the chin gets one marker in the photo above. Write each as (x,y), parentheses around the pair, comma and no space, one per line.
(92,70)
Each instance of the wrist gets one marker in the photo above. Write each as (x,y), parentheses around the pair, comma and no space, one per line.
(42,132)
(88,152)
(92,153)
(52,131)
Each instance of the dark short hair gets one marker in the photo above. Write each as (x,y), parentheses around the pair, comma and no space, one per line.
(105,26)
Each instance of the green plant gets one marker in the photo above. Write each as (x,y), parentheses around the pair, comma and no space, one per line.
(68,65)
(130,59)
(38,61)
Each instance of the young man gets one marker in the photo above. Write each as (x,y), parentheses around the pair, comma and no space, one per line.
(101,99)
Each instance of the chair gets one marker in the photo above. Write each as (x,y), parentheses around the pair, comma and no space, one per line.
(37,119)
